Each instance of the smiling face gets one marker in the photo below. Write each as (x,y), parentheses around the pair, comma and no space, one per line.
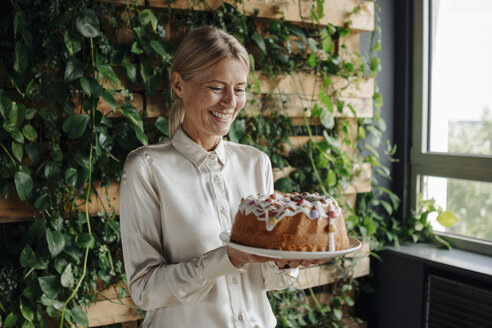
(212,99)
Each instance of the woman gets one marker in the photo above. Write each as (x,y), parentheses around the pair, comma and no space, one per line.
(177,197)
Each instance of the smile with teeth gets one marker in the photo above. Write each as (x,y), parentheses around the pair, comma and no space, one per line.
(221,115)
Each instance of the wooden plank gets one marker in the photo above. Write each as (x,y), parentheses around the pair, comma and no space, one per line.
(111,311)
(13,209)
(307,85)
(156,106)
(124,2)
(335,12)
(99,202)
(293,105)
(349,43)
(320,275)
(132,324)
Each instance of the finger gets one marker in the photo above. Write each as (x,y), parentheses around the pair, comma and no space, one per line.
(281,264)
(294,264)
(306,262)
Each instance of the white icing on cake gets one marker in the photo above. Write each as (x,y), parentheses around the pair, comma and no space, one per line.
(273,208)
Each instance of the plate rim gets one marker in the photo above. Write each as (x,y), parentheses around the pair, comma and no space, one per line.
(225,237)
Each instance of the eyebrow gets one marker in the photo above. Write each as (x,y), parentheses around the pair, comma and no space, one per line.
(222,82)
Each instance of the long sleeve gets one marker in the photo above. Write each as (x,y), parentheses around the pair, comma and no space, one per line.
(153,282)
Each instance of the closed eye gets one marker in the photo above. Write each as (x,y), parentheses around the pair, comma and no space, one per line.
(216,90)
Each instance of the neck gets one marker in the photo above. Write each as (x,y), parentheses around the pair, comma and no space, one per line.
(208,143)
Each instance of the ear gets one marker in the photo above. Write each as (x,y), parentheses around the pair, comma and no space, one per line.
(177,84)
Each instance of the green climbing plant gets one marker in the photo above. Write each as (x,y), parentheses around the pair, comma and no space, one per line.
(75,75)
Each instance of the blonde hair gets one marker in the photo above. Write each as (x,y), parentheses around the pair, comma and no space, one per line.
(201,49)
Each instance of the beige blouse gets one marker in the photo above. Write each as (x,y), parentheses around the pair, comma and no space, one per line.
(175,200)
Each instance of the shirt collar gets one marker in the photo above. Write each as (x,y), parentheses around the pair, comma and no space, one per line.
(193,151)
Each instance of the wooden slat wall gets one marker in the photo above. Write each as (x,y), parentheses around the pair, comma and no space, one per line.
(336,12)
(359,95)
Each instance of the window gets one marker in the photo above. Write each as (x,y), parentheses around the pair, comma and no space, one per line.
(451,154)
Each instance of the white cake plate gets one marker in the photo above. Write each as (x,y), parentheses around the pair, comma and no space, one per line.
(354,245)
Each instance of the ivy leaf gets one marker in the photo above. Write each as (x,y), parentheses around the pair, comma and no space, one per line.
(5,106)
(147,16)
(260,42)
(387,206)
(33,150)
(26,311)
(283,185)
(141,136)
(333,142)
(73,70)
(162,125)
(20,58)
(326,41)
(75,125)
(27,258)
(86,86)
(10,321)
(131,113)
(312,45)
(66,278)
(447,219)
(319,4)
(135,49)
(28,324)
(49,286)
(71,176)
(322,162)
(56,241)
(107,71)
(316,111)
(325,100)
(237,130)
(331,178)
(17,150)
(79,316)
(88,24)
(23,184)
(362,133)
(84,240)
(30,113)
(158,48)
(327,119)
(109,98)
(131,71)
(42,203)
(16,134)
(312,59)
(29,132)
(68,43)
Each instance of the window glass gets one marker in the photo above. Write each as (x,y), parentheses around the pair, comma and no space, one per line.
(470,201)
(460,97)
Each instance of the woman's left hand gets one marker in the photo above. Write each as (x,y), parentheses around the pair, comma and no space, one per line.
(292,264)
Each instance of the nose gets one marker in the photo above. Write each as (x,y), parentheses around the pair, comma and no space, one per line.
(229,98)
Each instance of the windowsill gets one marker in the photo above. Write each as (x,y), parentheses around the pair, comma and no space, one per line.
(456,258)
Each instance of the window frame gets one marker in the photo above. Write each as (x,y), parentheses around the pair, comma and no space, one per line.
(422,161)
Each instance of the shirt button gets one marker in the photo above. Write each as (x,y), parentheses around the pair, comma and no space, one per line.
(240,317)
(234,280)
